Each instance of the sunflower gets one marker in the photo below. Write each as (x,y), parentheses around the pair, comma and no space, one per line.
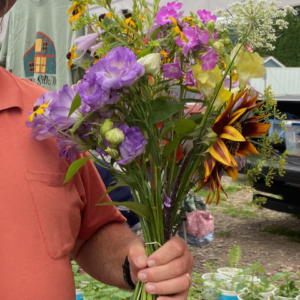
(71,55)
(38,110)
(233,129)
(76,11)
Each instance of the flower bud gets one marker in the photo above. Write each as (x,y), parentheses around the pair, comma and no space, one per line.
(218,47)
(211,26)
(106,126)
(114,153)
(201,26)
(151,63)
(227,41)
(115,137)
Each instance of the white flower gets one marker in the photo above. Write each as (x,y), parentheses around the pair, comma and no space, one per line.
(151,63)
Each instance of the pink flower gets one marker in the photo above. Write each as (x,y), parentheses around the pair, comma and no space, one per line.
(174,5)
(206,16)
(172,71)
(190,42)
(209,60)
(164,14)
(203,36)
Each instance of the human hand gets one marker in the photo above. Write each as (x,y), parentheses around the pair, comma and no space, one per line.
(169,268)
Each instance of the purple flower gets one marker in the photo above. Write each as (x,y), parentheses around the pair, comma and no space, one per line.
(203,36)
(206,16)
(86,41)
(174,5)
(133,145)
(189,79)
(215,35)
(172,71)
(60,108)
(209,60)
(68,148)
(41,128)
(191,36)
(118,69)
(95,48)
(167,201)
(164,14)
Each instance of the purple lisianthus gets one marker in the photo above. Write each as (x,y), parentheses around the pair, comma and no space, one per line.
(209,60)
(68,148)
(41,128)
(118,69)
(60,108)
(191,41)
(86,41)
(203,36)
(133,145)
(164,14)
(206,16)
(174,5)
(172,71)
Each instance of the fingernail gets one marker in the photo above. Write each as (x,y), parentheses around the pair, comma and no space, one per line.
(151,263)
(150,289)
(142,277)
(141,260)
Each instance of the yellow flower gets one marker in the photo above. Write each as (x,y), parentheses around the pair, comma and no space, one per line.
(71,55)
(166,59)
(38,110)
(248,65)
(76,11)
(177,30)
(207,80)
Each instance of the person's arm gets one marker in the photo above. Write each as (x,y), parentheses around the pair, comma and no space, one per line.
(165,271)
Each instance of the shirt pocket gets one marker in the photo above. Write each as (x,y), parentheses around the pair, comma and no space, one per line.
(58,209)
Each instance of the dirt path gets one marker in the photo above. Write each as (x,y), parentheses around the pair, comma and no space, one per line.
(237,223)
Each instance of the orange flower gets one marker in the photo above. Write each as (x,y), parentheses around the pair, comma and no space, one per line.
(179,153)
(233,128)
(71,55)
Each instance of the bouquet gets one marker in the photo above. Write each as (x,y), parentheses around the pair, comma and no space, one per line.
(129,110)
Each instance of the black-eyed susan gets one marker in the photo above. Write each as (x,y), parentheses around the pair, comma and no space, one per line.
(38,110)
(233,129)
(178,29)
(71,55)
(76,10)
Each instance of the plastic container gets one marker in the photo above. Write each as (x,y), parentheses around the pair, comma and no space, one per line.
(230,272)
(79,295)
(240,297)
(292,137)
(270,294)
(228,291)
(275,125)
(246,278)
(209,285)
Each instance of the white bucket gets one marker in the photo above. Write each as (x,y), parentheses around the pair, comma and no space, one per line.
(209,285)
(230,272)
(79,295)
(240,297)
(282,298)
(270,294)
(228,292)
(246,279)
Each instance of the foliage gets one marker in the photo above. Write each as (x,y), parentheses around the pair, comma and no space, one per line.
(234,256)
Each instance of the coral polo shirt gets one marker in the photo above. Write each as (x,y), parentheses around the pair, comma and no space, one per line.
(40,217)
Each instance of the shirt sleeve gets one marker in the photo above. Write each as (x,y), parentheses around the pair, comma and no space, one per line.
(93,216)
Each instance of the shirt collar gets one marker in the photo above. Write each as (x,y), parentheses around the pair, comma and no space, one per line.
(10,93)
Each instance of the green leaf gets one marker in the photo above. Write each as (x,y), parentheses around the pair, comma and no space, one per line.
(74,168)
(144,53)
(138,208)
(277,277)
(184,126)
(89,116)
(168,149)
(140,25)
(162,110)
(75,104)
(154,33)
(111,188)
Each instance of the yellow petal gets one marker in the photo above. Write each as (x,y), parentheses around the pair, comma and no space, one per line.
(30,118)
(232,172)
(173,20)
(236,115)
(220,153)
(230,133)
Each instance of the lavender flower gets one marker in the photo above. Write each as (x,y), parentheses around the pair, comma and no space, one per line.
(167,201)
(133,145)
(172,71)
(68,148)
(118,69)
(86,41)
(190,42)
(209,60)
(95,48)
(164,14)
(206,16)
(60,108)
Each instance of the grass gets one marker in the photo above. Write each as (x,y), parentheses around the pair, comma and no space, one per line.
(293,235)
(239,212)
(223,233)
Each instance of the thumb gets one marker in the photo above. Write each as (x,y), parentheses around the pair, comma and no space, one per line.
(137,257)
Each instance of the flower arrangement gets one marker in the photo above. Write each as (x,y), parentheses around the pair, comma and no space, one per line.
(129,108)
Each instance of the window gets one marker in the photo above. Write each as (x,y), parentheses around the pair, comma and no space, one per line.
(38,45)
(40,64)
(45,46)
(31,66)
